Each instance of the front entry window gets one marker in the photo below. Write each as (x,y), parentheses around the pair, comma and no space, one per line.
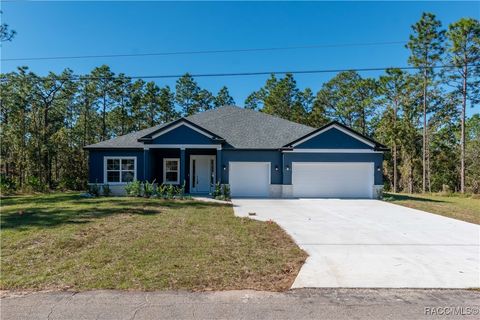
(171,174)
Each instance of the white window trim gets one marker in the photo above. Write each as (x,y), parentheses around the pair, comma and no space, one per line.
(105,181)
(181,123)
(353,135)
(165,171)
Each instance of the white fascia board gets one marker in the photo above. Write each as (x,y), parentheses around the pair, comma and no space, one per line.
(331,151)
(182,123)
(351,134)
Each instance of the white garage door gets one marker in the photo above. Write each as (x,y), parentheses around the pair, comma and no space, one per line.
(333,180)
(249,179)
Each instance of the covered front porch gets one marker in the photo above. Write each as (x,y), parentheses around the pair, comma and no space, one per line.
(198,167)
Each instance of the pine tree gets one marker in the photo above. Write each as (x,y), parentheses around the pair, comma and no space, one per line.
(186,95)
(223,98)
(464,54)
(393,88)
(105,90)
(426,47)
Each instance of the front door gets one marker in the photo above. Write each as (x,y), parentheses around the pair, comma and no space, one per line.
(202,173)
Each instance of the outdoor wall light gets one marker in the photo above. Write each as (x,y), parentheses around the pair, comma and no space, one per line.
(276,168)
(224,167)
(378,168)
(287,167)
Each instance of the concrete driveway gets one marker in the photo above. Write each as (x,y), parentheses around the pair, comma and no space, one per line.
(373,244)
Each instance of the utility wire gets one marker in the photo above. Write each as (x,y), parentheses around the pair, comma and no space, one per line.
(172,53)
(241,74)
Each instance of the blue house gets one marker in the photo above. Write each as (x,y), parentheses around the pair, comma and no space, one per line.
(258,155)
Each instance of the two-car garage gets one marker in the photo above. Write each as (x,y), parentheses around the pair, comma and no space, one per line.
(332,180)
(309,179)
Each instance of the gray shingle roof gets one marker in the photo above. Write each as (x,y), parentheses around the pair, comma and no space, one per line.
(241,128)
(249,129)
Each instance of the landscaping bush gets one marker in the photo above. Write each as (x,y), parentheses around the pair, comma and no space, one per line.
(94,189)
(226,192)
(134,189)
(106,190)
(217,192)
(170,191)
(161,191)
(221,192)
(180,191)
(148,189)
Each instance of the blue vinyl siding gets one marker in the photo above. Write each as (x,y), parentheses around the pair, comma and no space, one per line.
(333,139)
(273,156)
(182,135)
(95,163)
(376,158)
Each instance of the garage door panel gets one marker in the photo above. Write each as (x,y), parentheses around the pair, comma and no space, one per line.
(249,179)
(332,180)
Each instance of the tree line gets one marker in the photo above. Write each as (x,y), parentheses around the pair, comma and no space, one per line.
(420,114)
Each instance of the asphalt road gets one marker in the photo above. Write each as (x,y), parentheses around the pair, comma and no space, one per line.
(294,304)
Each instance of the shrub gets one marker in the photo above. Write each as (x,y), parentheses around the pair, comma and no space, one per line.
(134,189)
(106,190)
(180,191)
(148,189)
(226,192)
(170,191)
(217,191)
(94,189)
(221,192)
(7,185)
(34,184)
(161,191)
(71,183)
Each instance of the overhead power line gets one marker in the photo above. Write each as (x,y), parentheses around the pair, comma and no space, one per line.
(259,73)
(173,53)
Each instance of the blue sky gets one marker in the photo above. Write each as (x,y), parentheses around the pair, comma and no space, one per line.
(90,28)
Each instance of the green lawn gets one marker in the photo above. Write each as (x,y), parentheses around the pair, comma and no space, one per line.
(64,241)
(462,207)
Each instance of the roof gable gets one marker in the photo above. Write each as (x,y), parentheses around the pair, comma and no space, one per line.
(335,136)
(182,133)
(182,122)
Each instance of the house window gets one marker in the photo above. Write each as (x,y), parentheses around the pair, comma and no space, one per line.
(171,171)
(120,170)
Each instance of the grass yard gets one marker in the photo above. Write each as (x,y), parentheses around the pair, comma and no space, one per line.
(64,241)
(466,208)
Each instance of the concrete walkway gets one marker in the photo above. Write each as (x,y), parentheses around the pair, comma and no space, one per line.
(297,304)
(374,244)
